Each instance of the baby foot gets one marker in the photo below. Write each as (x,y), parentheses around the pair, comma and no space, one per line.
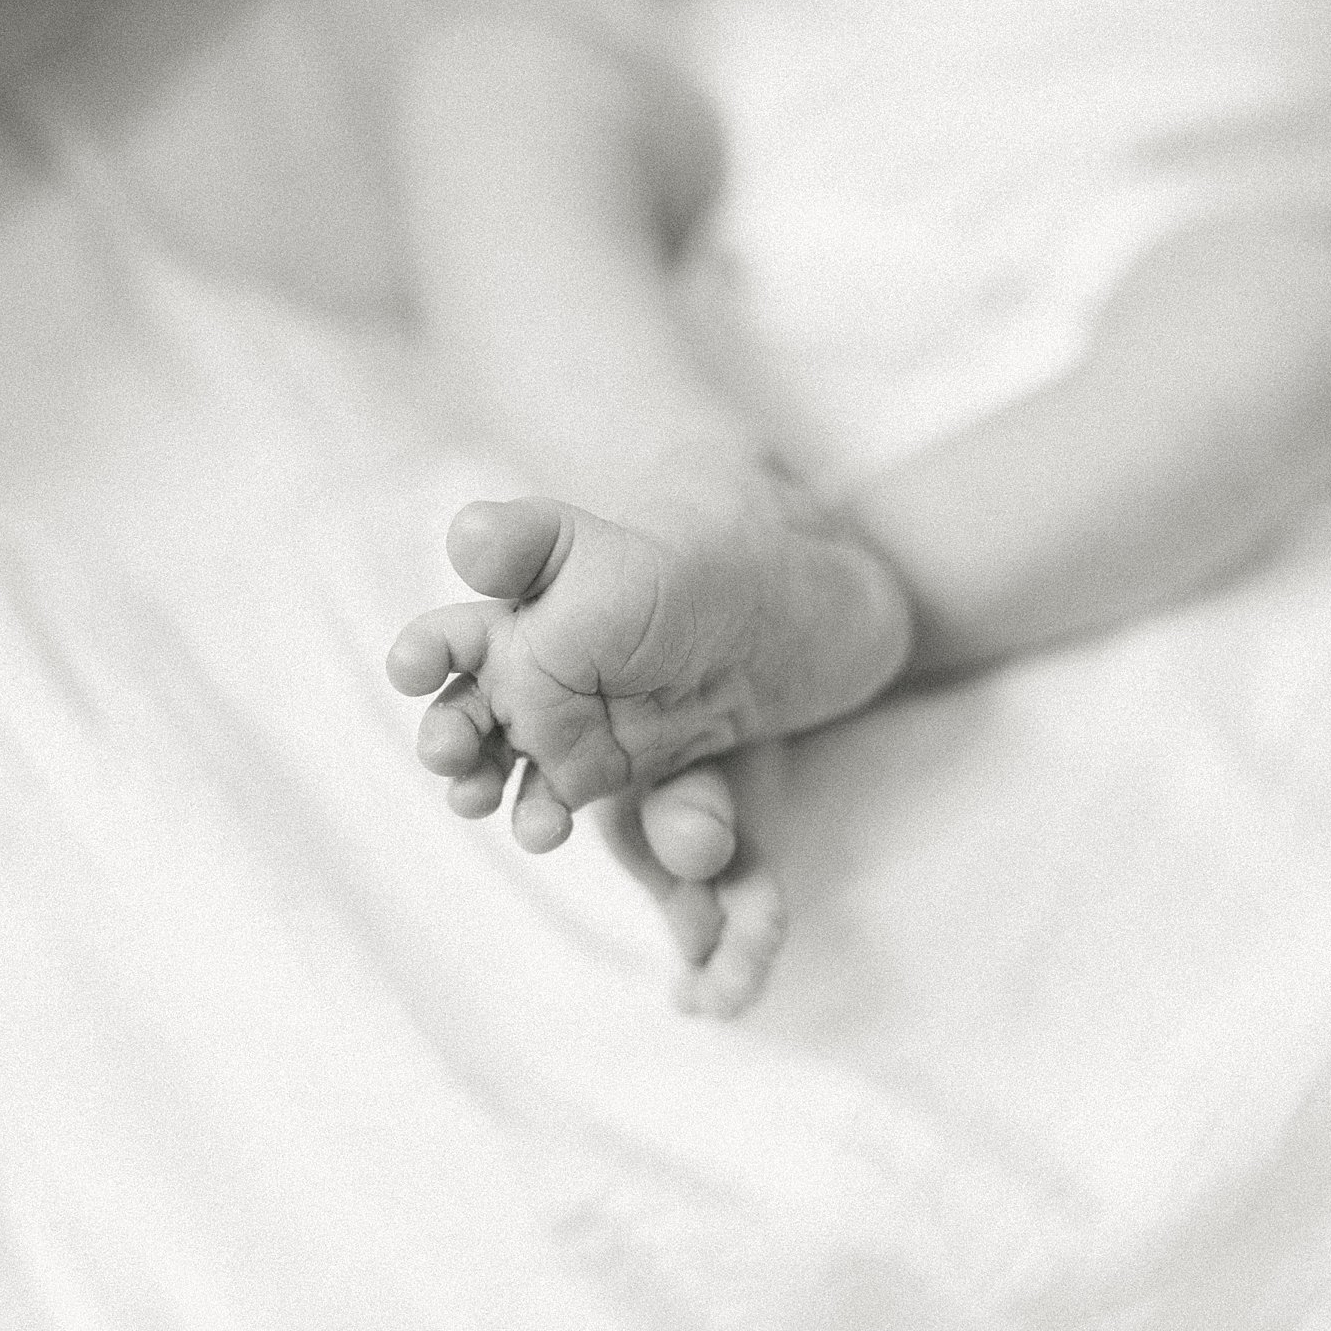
(596,663)
(612,659)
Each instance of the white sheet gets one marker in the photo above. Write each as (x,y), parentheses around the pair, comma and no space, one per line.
(284,1045)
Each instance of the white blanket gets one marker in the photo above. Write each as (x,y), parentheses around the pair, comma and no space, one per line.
(284,1045)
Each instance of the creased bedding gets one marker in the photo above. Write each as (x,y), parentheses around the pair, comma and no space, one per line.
(284,1045)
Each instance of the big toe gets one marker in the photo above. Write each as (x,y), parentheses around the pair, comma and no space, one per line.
(689,822)
(511,549)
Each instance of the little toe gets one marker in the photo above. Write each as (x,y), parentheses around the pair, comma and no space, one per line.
(689,822)
(541,821)
(508,549)
(450,640)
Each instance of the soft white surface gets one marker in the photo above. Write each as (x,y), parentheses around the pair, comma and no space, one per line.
(284,1045)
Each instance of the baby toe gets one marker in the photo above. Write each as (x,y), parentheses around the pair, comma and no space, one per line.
(541,821)
(451,640)
(689,822)
(694,920)
(504,549)
(737,970)
(477,795)
(447,743)
(452,730)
